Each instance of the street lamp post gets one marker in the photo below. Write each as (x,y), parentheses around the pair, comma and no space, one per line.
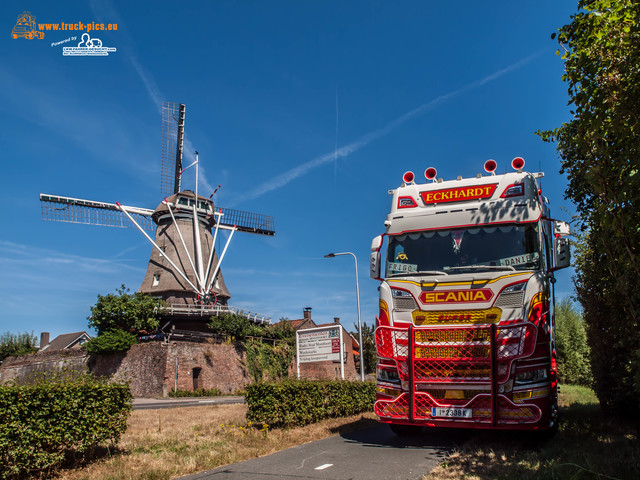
(331,255)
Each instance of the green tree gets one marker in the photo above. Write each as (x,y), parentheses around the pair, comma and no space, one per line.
(574,364)
(17,344)
(368,350)
(600,153)
(138,312)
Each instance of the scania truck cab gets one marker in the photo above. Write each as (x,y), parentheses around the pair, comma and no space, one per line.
(465,331)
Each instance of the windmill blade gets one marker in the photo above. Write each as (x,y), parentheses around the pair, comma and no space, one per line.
(75,210)
(172,140)
(248,222)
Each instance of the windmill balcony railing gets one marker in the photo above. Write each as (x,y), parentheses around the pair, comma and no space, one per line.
(211,310)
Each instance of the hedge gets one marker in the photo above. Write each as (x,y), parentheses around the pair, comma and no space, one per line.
(300,402)
(41,423)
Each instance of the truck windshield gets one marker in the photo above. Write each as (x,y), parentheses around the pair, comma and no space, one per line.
(508,247)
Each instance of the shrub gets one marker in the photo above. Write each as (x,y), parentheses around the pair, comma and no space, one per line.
(300,402)
(42,422)
(200,392)
(112,341)
(268,362)
(574,364)
(235,326)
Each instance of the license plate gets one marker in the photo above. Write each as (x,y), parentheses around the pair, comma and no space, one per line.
(451,412)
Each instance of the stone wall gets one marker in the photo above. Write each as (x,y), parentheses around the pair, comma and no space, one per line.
(150,368)
(23,367)
(205,365)
(142,366)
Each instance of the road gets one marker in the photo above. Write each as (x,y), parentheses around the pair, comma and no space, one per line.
(371,453)
(156,403)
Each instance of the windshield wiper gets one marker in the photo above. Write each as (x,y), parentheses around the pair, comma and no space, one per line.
(484,267)
(422,272)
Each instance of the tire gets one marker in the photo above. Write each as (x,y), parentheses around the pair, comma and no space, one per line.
(406,430)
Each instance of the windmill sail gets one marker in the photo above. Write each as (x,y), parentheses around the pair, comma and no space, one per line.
(248,222)
(172,146)
(76,210)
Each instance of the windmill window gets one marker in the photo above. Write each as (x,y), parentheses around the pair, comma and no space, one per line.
(183,201)
(156,279)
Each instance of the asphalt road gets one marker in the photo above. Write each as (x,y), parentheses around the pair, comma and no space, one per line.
(371,453)
(155,403)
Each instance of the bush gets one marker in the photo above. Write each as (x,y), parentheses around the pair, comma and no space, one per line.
(296,403)
(200,392)
(235,326)
(113,341)
(40,423)
(574,364)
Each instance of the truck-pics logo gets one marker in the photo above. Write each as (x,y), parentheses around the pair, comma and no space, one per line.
(457,296)
(458,194)
(26,27)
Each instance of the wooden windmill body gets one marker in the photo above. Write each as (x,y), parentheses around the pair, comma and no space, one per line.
(184,266)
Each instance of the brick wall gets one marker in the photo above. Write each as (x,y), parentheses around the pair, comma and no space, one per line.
(143,366)
(214,365)
(22,367)
(150,368)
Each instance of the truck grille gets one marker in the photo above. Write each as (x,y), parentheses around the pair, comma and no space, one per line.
(510,299)
(404,303)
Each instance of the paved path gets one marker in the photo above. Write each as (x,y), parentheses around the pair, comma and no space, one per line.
(154,403)
(371,453)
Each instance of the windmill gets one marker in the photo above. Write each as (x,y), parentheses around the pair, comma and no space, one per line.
(184,267)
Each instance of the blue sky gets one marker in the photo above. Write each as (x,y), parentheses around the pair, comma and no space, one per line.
(306,111)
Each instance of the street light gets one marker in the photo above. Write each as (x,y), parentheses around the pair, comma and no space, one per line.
(331,255)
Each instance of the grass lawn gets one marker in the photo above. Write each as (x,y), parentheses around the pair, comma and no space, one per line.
(163,444)
(588,445)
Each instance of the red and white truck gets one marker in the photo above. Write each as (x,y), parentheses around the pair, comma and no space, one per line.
(465,332)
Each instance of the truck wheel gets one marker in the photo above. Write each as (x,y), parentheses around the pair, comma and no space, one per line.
(406,430)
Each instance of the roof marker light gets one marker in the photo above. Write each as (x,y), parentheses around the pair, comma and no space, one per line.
(490,166)
(408,177)
(517,163)
(430,173)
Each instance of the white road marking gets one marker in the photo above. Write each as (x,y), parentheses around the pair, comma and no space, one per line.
(326,465)
(207,401)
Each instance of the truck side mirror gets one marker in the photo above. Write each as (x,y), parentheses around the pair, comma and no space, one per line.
(562,253)
(374,258)
(561,246)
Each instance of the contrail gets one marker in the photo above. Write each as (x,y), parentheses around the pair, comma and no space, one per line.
(342,152)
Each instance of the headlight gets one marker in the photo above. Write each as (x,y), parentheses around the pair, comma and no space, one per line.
(385,375)
(531,376)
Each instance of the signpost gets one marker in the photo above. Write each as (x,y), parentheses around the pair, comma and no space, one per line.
(320,344)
